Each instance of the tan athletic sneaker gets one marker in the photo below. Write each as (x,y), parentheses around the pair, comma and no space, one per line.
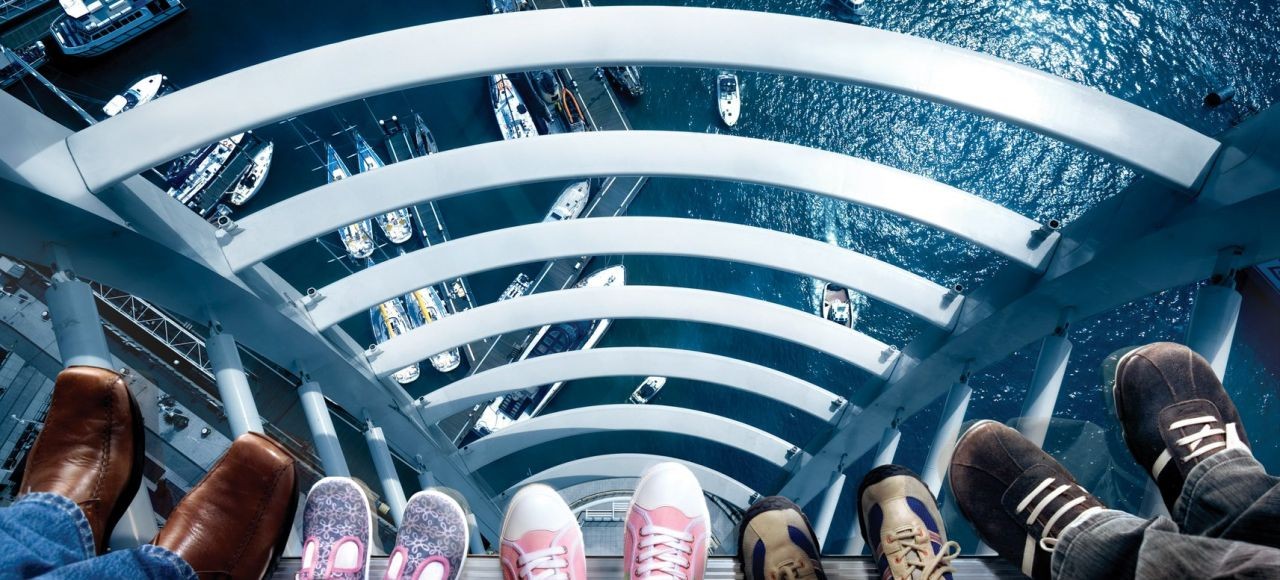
(899,520)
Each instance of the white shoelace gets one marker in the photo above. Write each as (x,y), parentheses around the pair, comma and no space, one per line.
(1046,542)
(1212,427)
(548,564)
(665,552)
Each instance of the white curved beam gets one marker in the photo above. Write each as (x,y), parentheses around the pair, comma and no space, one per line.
(654,153)
(622,465)
(362,290)
(621,362)
(655,302)
(617,418)
(662,36)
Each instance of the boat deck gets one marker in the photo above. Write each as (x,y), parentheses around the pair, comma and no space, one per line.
(603,110)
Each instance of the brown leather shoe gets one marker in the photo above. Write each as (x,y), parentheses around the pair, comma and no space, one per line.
(90,450)
(235,522)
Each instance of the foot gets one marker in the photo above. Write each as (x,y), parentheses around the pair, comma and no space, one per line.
(432,543)
(235,522)
(775,541)
(1019,499)
(90,450)
(541,539)
(899,519)
(1174,412)
(337,527)
(667,526)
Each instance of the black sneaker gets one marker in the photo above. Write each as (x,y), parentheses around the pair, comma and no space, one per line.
(1174,412)
(900,521)
(1018,498)
(776,542)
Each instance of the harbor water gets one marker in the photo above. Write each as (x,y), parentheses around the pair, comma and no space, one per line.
(1163,55)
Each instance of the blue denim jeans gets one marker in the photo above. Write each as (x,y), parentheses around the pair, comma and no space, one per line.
(1226,524)
(44,535)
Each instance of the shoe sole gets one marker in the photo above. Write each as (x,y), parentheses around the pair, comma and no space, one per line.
(134,483)
(882,473)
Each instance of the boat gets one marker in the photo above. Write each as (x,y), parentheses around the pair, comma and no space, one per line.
(647,390)
(514,119)
(572,112)
(501,6)
(553,338)
(853,11)
(33,55)
(547,84)
(195,184)
(571,202)
(251,182)
(518,287)
(93,28)
(424,307)
(424,142)
(142,92)
(836,305)
(626,79)
(729,95)
(389,321)
(357,237)
(396,225)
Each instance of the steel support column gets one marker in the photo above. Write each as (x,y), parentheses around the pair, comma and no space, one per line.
(884,455)
(935,465)
(392,492)
(233,383)
(1042,395)
(322,431)
(76,325)
(825,510)
(1213,322)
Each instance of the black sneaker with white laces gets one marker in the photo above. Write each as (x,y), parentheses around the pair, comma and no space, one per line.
(1174,412)
(1018,498)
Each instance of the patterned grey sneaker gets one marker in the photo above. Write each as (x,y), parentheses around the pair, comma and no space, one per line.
(337,525)
(1175,413)
(432,543)
(899,519)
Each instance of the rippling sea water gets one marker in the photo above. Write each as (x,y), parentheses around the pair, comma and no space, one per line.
(1162,55)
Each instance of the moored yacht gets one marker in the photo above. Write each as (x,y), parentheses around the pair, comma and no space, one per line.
(33,55)
(424,142)
(550,339)
(514,119)
(250,183)
(396,225)
(626,79)
(195,183)
(142,92)
(94,27)
(357,237)
(389,321)
(571,202)
(729,97)
(424,307)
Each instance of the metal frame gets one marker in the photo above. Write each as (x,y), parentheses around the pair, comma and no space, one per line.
(651,153)
(661,36)
(656,302)
(632,465)
(460,395)
(356,293)
(619,418)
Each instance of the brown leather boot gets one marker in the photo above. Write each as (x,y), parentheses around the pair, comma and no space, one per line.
(235,522)
(90,450)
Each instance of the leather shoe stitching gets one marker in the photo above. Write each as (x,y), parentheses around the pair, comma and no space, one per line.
(257,518)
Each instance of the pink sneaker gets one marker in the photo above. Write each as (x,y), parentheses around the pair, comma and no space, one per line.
(667,527)
(541,539)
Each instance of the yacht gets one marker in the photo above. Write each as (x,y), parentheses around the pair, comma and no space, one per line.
(571,202)
(195,183)
(424,142)
(647,390)
(141,93)
(501,6)
(518,287)
(394,224)
(95,27)
(626,79)
(836,305)
(389,321)
(357,237)
(729,95)
(514,119)
(550,339)
(547,84)
(425,307)
(33,55)
(250,183)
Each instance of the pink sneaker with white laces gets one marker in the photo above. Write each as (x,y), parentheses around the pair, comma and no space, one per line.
(541,539)
(667,526)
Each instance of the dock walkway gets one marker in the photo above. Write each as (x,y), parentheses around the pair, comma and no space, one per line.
(612,195)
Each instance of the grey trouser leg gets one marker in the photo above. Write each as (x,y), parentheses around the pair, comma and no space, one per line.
(1228,510)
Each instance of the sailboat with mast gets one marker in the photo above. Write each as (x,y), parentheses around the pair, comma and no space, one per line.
(357,238)
(396,225)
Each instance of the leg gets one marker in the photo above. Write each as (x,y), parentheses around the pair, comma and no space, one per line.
(147,562)
(1229,496)
(41,532)
(1114,544)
